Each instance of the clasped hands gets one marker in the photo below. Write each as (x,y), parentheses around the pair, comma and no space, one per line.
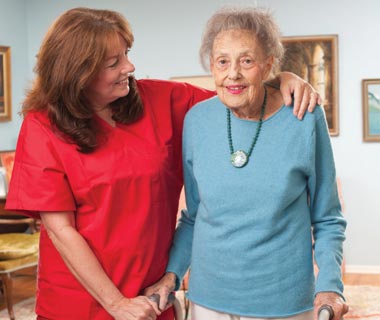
(162,291)
(156,299)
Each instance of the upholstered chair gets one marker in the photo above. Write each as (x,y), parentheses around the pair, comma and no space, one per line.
(18,251)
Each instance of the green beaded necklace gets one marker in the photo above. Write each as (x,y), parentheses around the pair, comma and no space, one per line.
(240,158)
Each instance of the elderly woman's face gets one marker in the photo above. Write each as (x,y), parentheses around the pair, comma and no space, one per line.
(239,67)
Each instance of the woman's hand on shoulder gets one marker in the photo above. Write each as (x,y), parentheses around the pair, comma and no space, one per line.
(139,308)
(332,299)
(301,93)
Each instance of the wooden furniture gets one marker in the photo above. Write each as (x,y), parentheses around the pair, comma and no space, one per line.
(18,251)
(11,222)
(19,242)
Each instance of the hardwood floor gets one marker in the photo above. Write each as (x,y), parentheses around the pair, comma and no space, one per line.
(24,284)
(356,279)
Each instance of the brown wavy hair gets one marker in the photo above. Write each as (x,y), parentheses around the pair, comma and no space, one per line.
(71,54)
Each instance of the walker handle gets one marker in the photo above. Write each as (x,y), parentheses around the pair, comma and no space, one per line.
(155,297)
(325,312)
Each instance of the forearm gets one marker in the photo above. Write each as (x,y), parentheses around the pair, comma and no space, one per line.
(329,234)
(82,262)
(180,253)
(328,222)
(328,256)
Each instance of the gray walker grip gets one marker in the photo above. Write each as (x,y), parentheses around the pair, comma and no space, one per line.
(325,313)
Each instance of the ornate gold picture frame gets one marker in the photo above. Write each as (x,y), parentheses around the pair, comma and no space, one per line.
(315,59)
(5,84)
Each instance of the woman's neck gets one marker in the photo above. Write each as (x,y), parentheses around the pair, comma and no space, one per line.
(274,102)
(106,114)
(251,112)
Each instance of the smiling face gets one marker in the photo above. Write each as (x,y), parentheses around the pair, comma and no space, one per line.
(239,67)
(111,82)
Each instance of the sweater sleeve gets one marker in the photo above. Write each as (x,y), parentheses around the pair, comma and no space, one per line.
(326,216)
(180,254)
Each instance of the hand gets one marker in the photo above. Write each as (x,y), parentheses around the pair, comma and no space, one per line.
(305,96)
(331,299)
(139,308)
(163,288)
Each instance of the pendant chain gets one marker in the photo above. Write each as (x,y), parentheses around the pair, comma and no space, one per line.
(230,143)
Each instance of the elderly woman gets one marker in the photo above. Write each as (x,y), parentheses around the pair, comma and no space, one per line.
(260,185)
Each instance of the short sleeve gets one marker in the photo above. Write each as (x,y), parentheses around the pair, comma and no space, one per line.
(38,182)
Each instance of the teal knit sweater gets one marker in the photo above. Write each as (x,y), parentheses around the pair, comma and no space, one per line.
(247,232)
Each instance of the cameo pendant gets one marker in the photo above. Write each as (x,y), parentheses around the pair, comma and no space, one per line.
(239,159)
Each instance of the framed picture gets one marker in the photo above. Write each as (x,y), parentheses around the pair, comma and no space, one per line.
(206,82)
(6,167)
(371,109)
(315,59)
(7,159)
(5,84)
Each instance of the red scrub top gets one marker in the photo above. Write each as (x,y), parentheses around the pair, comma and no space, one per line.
(124,195)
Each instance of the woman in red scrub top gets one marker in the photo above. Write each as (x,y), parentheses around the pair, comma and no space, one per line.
(98,159)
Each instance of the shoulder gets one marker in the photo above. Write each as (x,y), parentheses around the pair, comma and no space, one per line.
(167,86)
(154,84)
(205,117)
(177,98)
(316,115)
(203,112)
(36,139)
(38,132)
(203,120)
(316,120)
(310,119)
(35,121)
(205,108)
